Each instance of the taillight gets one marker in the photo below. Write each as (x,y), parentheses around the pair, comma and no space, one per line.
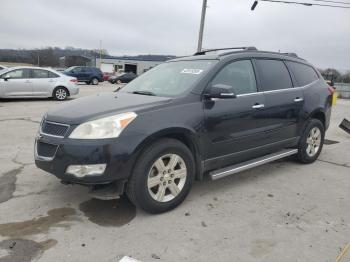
(331,90)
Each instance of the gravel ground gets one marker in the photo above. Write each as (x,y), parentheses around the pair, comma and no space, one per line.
(282,211)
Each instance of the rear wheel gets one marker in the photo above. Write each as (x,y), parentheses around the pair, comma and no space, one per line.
(311,142)
(94,81)
(60,93)
(162,177)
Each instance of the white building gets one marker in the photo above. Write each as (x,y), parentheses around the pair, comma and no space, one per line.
(111,65)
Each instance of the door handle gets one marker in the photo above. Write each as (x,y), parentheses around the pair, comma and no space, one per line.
(51,80)
(298,99)
(257,106)
(27,82)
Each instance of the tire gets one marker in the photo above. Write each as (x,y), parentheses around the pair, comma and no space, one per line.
(60,93)
(94,81)
(155,189)
(311,142)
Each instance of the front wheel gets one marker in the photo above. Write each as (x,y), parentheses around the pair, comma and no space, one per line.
(311,142)
(162,177)
(60,93)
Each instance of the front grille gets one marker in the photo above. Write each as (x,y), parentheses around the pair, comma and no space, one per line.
(54,129)
(46,150)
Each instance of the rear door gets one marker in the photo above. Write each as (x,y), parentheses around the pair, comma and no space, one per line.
(43,82)
(18,84)
(283,102)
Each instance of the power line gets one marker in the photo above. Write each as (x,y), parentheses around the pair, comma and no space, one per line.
(335,2)
(306,4)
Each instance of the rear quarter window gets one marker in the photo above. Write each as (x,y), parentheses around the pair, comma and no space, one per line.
(274,75)
(303,74)
(53,75)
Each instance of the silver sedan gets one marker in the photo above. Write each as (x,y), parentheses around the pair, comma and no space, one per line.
(25,82)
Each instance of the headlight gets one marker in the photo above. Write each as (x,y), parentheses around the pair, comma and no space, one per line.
(107,127)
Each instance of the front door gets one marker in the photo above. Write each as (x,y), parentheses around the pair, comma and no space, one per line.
(16,83)
(81,73)
(234,126)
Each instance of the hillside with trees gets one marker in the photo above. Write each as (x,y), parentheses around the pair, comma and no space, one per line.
(50,56)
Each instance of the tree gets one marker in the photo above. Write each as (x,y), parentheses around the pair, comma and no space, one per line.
(332,74)
(346,77)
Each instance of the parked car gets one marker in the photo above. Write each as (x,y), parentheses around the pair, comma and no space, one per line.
(105,76)
(2,67)
(123,78)
(87,74)
(202,115)
(22,82)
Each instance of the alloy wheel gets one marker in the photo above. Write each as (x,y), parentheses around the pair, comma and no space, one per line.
(313,141)
(61,94)
(167,177)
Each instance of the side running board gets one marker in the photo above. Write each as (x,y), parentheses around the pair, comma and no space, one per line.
(220,173)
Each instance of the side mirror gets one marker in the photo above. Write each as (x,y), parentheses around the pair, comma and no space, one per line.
(7,77)
(221,91)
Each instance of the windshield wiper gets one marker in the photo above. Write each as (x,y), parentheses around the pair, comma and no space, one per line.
(146,93)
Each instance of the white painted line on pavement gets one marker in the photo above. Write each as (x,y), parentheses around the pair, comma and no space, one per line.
(129,259)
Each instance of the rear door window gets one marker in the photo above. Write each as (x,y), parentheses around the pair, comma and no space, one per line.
(303,74)
(240,75)
(274,75)
(53,75)
(39,73)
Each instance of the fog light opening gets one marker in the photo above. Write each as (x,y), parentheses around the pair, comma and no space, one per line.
(86,170)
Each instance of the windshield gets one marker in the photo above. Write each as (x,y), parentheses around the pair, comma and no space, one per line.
(169,79)
(4,71)
(69,69)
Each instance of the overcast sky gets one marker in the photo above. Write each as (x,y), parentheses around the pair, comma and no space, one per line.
(320,35)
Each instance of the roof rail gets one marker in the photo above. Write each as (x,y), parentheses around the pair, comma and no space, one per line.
(247,48)
(291,54)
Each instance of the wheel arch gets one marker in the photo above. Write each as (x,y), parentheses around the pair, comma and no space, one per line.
(320,115)
(60,86)
(185,136)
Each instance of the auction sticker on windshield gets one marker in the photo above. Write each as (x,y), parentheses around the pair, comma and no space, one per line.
(192,71)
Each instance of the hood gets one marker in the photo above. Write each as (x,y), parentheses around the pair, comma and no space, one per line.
(101,105)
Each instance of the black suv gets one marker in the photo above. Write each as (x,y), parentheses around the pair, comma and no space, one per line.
(210,115)
(87,74)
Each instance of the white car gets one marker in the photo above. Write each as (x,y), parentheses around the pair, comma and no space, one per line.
(24,82)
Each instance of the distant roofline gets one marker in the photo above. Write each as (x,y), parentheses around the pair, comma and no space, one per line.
(138,58)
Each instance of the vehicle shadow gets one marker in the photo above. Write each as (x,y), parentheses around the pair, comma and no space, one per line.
(232,182)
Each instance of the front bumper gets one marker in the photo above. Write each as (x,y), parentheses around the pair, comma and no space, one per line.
(116,153)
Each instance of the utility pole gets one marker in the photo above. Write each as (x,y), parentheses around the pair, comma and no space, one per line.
(100,50)
(201,29)
(38,58)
